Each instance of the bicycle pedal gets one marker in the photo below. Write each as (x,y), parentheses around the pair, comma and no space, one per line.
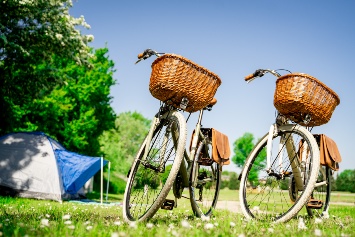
(168,204)
(315,204)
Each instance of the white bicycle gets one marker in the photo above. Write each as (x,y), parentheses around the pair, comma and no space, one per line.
(282,174)
(159,165)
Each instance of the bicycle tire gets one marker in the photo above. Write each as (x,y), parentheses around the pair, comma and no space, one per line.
(208,182)
(147,186)
(322,191)
(265,202)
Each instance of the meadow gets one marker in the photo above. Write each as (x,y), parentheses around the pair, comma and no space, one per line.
(27,217)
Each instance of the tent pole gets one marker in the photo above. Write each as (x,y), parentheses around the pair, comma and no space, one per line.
(108,179)
(102,179)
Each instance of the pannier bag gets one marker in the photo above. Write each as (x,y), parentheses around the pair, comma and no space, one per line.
(220,148)
(329,153)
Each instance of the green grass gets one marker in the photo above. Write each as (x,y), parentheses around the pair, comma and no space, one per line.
(26,217)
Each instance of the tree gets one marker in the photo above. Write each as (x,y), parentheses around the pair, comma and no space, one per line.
(31,34)
(242,148)
(233,181)
(120,144)
(75,113)
(346,181)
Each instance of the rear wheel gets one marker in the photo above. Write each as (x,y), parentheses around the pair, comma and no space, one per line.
(321,193)
(204,191)
(273,193)
(151,177)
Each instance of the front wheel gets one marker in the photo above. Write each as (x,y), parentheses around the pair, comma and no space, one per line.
(278,192)
(152,176)
(207,179)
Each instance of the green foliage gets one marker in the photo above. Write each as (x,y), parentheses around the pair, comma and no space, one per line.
(121,143)
(230,180)
(233,181)
(31,34)
(346,181)
(284,183)
(166,173)
(77,113)
(242,148)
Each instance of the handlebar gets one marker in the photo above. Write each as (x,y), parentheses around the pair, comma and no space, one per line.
(262,72)
(146,54)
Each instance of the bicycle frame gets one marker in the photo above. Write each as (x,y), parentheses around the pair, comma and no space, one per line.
(288,143)
(188,157)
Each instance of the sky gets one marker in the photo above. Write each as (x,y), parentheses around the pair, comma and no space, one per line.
(232,38)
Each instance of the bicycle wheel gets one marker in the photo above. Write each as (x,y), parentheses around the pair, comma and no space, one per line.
(204,191)
(321,193)
(151,177)
(269,194)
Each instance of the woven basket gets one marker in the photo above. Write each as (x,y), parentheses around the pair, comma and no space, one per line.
(175,77)
(299,95)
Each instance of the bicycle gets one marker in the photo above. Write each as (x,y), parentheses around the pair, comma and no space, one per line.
(162,161)
(282,173)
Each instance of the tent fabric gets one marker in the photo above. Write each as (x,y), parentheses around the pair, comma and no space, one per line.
(36,166)
(76,169)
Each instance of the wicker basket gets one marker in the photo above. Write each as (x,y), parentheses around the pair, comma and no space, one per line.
(298,96)
(175,77)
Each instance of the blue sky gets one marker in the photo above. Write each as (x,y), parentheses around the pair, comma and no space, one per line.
(232,39)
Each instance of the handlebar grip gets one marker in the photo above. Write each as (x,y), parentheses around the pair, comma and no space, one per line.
(249,77)
(141,55)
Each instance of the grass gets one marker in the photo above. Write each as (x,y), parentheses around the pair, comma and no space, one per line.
(26,217)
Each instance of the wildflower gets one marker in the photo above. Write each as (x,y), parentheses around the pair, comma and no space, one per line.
(66,217)
(47,215)
(325,215)
(171,226)
(67,222)
(71,227)
(174,233)
(87,222)
(114,234)
(232,224)
(301,224)
(208,226)
(149,225)
(271,230)
(317,221)
(317,232)
(241,235)
(185,224)
(89,227)
(256,208)
(45,222)
(117,223)
(59,36)
(205,218)
(133,225)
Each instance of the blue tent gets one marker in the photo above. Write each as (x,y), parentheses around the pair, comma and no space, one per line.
(76,169)
(34,165)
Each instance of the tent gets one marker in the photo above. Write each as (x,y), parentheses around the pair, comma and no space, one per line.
(34,165)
